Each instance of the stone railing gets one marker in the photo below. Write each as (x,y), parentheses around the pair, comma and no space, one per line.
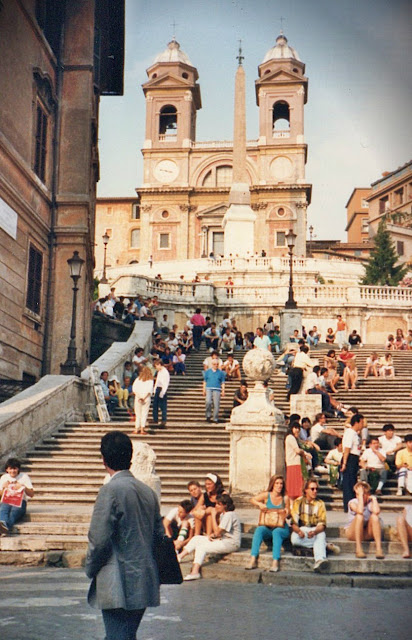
(220,144)
(39,410)
(275,295)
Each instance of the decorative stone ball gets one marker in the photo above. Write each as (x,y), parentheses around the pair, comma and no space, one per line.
(258,364)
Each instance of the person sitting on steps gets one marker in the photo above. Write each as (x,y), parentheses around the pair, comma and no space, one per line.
(364,521)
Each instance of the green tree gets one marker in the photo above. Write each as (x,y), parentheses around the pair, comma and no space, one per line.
(381,268)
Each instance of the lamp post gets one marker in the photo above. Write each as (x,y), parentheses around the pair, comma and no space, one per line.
(290,239)
(106,239)
(71,367)
(310,240)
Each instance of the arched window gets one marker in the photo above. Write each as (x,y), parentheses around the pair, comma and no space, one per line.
(208,180)
(219,177)
(281,116)
(224,175)
(168,121)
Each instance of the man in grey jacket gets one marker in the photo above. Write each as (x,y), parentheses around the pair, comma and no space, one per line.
(126,525)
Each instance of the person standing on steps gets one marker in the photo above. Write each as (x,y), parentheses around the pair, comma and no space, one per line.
(126,525)
(160,393)
(213,390)
(198,323)
(350,459)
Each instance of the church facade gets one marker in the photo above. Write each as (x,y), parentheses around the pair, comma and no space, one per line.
(186,183)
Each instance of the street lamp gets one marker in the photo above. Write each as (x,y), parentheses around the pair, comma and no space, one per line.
(290,240)
(105,239)
(71,367)
(310,240)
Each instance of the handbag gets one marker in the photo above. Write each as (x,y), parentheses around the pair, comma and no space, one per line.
(272,518)
(167,564)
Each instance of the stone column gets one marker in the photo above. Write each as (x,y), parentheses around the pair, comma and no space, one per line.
(257,431)
(289,320)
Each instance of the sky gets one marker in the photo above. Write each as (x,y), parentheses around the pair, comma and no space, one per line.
(358,58)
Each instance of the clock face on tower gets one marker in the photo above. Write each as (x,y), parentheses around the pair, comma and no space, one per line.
(166,171)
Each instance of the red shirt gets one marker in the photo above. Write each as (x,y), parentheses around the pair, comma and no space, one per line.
(198,320)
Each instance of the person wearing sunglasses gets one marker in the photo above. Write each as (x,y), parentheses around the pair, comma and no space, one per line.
(309,524)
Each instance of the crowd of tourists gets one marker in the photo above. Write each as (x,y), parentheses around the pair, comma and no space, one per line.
(291,514)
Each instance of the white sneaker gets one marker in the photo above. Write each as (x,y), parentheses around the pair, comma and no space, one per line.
(320,565)
(321,469)
(399,492)
(192,576)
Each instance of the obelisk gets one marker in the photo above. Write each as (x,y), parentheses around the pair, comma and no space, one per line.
(239,219)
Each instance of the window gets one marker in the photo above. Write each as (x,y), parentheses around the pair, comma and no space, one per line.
(135,212)
(164,240)
(34,280)
(219,177)
(398,197)
(224,176)
(165,214)
(384,204)
(49,16)
(281,117)
(365,225)
(109,211)
(168,122)
(40,152)
(280,238)
(364,203)
(218,243)
(135,239)
(281,212)
(400,247)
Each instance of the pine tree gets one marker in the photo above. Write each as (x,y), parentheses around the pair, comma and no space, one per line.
(381,268)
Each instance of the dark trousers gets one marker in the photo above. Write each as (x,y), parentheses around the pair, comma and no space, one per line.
(159,403)
(121,624)
(349,479)
(197,336)
(296,377)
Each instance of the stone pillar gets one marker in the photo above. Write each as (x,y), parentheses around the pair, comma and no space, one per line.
(257,431)
(239,219)
(289,320)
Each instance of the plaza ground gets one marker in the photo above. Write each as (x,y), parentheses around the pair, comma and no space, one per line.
(43,603)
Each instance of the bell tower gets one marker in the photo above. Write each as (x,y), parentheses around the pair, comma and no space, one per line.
(172,100)
(281,93)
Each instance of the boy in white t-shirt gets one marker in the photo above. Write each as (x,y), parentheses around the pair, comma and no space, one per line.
(179,524)
(373,460)
(19,484)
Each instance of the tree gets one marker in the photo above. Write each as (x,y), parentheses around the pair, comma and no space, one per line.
(381,268)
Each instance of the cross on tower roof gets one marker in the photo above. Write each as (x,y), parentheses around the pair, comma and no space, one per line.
(281,24)
(174,25)
(240,58)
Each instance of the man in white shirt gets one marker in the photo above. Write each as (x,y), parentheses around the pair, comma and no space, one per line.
(232,368)
(227,341)
(322,435)
(350,460)
(160,393)
(390,444)
(373,459)
(261,341)
(207,362)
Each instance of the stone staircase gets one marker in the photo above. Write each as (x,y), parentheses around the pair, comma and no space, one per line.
(67,471)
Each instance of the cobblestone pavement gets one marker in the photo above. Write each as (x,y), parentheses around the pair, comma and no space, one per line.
(50,604)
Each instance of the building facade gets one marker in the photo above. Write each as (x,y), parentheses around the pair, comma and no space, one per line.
(391,199)
(56,59)
(186,183)
(357,216)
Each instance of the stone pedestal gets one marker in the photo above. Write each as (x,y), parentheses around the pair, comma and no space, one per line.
(289,320)
(306,405)
(257,431)
(143,466)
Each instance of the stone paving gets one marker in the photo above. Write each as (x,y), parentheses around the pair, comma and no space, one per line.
(50,604)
